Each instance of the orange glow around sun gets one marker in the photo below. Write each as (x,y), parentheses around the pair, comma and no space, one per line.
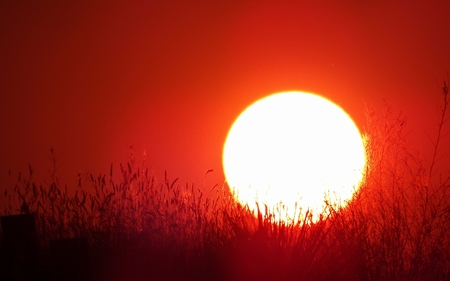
(292,151)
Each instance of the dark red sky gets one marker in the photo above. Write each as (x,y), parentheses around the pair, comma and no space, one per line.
(90,79)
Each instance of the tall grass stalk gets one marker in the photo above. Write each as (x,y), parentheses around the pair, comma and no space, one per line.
(397,226)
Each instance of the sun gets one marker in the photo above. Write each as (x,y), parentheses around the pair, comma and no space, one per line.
(292,151)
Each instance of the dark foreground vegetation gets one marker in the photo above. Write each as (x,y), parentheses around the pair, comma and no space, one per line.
(132,227)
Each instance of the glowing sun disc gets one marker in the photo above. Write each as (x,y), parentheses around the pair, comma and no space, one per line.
(292,151)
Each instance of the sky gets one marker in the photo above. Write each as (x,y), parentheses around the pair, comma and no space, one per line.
(89,79)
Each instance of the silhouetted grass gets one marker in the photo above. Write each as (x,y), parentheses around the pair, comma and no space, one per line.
(395,228)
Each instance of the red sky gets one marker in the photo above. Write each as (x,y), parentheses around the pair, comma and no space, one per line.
(90,79)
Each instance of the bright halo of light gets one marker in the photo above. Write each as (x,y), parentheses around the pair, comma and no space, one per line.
(292,151)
